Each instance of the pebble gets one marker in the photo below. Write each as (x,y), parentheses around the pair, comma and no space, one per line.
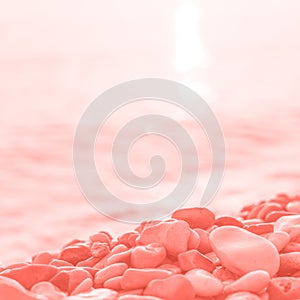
(204,283)
(289,263)
(148,256)
(243,296)
(138,297)
(113,283)
(75,254)
(260,228)
(96,294)
(194,240)
(204,246)
(31,274)
(176,287)
(289,224)
(293,206)
(8,292)
(279,239)
(228,221)
(61,281)
(174,236)
(109,272)
(275,215)
(139,278)
(193,259)
(83,286)
(196,217)
(253,252)
(48,290)
(284,288)
(254,281)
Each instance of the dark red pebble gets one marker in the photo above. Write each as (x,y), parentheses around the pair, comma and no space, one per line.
(228,221)
(193,259)
(197,217)
(31,274)
(75,254)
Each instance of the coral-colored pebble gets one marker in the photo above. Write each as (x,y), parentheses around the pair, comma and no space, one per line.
(90,262)
(8,292)
(109,272)
(289,224)
(176,287)
(252,221)
(61,281)
(279,238)
(193,259)
(204,283)
(242,296)
(291,247)
(48,290)
(101,237)
(268,208)
(241,251)
(223,274)
(122,257)
(76,277)
(139,278)
(289,263)
(174,236)
(194,240)
(113,283)
(31,274)
(228,221)
(60,263)
(84,286)
(204,246)
(148,256)
(196,217)
(172,268)
(99,250)
(284,288)
(275,215)
(75,254)
(254,282)
(42,258)
(260,228)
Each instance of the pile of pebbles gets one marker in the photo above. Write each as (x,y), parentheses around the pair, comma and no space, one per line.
(193,255)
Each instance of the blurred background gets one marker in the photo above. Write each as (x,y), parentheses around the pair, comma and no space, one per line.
(242,57)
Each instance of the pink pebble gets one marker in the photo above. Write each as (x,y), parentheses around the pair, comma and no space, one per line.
(84,286)
(48,290)
(99,250)
(172,268)
(109,272)
(122,257)
(60,263)
(284,288)
(224,275)
(204,283)
(96,294)
(254,281)
(148,256)
(139,278)
(193,259)
(291,247)
(289,224)
(113,283)
(242,296)
(31,274)
(279,238)
(194,240)
(289,263)
(42,258)
(174,236)
(76,277)
(268,208)
(8,292)
(241,251)
(176,287)
(196,217)
(293,206)
(138,297)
